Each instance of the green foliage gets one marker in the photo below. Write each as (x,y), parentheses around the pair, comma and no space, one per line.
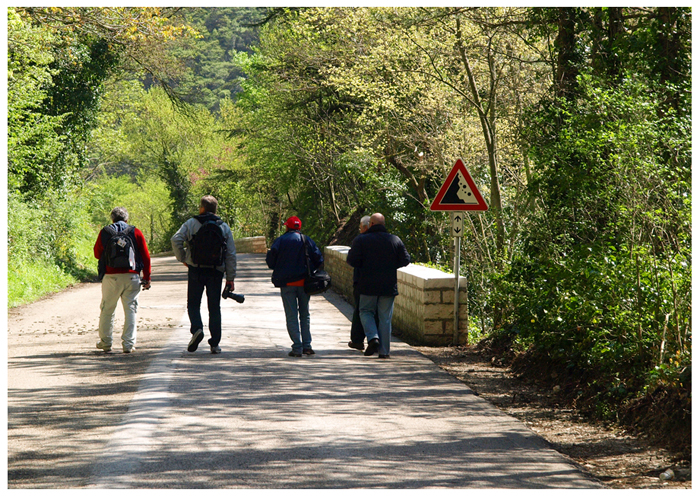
(49,246)
(58,61)
(30,280)
(147,201)
(601,288)
(213,76)
(34,142)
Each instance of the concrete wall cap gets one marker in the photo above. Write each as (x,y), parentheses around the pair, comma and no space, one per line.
(339,249)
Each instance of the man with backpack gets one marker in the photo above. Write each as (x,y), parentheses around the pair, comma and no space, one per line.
(204,244)
(287,257)
(122,253)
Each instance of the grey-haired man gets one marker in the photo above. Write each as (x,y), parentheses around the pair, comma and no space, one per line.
(357,332)
(122,253)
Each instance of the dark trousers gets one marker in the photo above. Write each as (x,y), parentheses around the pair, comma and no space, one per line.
(200,279)
(357,332)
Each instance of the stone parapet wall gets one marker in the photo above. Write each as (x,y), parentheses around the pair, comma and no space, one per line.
(424,308)
(256,244)
(334,262)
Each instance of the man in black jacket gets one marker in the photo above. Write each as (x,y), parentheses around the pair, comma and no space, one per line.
(377,254)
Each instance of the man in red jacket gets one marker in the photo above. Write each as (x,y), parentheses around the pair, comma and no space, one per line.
(122,253)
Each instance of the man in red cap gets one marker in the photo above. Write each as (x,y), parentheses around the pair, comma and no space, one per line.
(287,259)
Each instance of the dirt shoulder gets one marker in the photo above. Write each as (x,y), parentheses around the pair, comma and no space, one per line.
(619,459)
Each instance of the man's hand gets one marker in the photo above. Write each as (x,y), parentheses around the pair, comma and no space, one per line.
(146,284)
(230,285)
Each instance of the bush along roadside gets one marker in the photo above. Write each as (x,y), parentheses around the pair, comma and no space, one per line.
(49,247)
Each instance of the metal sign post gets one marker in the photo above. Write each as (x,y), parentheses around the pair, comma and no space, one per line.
(458,252)
(457,195)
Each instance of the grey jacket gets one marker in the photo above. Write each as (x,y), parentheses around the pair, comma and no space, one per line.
(187,231)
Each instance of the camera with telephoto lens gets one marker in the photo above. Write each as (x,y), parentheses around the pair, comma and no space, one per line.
(229,294)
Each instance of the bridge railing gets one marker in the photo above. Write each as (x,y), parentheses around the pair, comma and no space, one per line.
(424,308)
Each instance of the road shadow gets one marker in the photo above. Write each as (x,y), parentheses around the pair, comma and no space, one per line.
(274,423)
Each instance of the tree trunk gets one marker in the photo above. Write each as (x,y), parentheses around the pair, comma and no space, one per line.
(488,128)
(567,69)
(487,118)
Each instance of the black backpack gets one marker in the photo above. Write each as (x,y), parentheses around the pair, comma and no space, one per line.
(120,248)
(208,245)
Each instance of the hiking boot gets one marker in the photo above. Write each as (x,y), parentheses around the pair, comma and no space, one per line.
(372,347)
(294,354)
(384,356)
(360,346)
(308,351)
(215,350)
(196,339)
(103,347)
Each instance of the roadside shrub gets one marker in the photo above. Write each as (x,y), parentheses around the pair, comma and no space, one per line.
(49,246)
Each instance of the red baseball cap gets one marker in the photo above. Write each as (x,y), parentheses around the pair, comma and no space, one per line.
(293,223)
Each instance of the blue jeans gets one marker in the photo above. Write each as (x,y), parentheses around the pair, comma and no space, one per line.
(199,279)
(382,309)
(296,308)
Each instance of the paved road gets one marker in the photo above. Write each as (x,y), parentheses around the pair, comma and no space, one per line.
(251,417)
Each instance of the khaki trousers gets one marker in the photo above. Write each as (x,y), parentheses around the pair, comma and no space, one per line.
(115,287)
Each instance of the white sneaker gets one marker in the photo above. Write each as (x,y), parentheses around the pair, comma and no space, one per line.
(215,350)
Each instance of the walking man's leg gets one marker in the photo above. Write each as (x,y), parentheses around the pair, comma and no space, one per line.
(368,310)
(357,332)
(213,286)
(195,289)
(130,301)
(289,300)
(368,313)
(385,310)
(110,297)
(304,317)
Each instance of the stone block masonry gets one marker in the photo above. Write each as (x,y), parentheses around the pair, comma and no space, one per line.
(424,308)
(256,244)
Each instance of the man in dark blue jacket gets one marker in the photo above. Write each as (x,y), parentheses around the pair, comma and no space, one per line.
(287,259)
(377,254)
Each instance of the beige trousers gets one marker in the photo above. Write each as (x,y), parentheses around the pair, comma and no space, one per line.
(115,287)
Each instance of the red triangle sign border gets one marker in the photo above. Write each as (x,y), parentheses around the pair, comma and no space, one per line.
(438,204)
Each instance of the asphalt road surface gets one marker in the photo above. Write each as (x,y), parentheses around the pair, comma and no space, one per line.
(251,417)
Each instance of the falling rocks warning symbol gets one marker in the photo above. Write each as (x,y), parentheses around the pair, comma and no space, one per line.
(459,192)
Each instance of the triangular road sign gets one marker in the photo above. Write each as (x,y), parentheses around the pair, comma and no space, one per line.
(459,192)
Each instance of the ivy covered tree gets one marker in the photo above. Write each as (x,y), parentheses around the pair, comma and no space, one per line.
(602,286)
(34,142)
